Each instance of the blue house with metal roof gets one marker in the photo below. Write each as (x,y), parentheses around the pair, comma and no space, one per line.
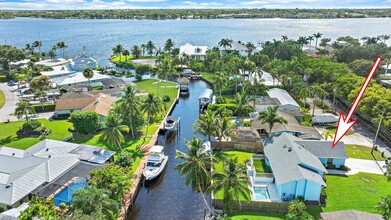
(298,165)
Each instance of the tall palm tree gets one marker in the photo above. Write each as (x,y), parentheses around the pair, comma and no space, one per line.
(305,93)
(118,50)
(62,45)
(310,39)
(169,45)
(225,43)
(42,95)
(284,38)
(113,132)
(233,182)
(165,69)
(256,87)
(317,36)
(24,109)
(302,41)
(241,100)
(150,46)
(88,73)
(143,47)
(250,47)
(206,124)
(195,166)
(384,205)
(317,92)
(152,105)
(37,44)
(220,81)
(271,117)
(126,53)
(224,128)
(131,104)
(95,200)
(52,54)
(136,52)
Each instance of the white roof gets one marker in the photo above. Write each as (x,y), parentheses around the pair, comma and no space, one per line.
(234,46)
(52,63)
(58,71)
(78,77)
(385,67)
(20,62)
(156,149)
(283,97)
(14,213)
(82,60)
(189,49)
(325,118)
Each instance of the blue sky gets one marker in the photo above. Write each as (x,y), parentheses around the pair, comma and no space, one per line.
(125,4)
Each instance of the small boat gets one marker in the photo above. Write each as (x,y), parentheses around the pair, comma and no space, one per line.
(170,123)
(156,163)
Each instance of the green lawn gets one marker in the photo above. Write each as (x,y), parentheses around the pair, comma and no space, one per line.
(2,99)
(362,152)
(261,166)
(8,136)
(334,129)
(252,215)
(153,86)
(208,76)
(116,59)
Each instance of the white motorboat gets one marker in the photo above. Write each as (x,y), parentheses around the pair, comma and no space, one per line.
(156,163)
(170,123)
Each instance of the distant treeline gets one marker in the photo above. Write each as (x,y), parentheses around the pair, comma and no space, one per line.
(161,14)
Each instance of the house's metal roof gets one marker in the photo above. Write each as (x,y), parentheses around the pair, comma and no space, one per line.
(323,149)
(189,49)
(283,97)
(291,162)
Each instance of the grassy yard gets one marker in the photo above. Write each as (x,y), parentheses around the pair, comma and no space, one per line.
(208,76)
(2,99)
(362,152)
(9,138)
(261,166)
(251,215)
(334,129)
(116,59)
(153,86)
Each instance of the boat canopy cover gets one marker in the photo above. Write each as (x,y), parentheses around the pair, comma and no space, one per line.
(325,118)
(206,94)
(156,149)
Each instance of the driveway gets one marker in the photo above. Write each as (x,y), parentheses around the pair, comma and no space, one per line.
(11,99)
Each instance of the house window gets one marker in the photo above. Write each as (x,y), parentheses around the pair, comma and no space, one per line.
(329,161)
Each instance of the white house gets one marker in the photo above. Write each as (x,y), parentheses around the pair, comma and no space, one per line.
(286,101)
(196,52)
(82,62)
(235,46)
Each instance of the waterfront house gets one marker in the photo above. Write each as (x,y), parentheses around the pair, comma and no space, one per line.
(195,52)
(24,172)
(235,46)
(82,62)
(85,101)
(298,165)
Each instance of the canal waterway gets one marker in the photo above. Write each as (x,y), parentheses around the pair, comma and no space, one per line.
(168,198)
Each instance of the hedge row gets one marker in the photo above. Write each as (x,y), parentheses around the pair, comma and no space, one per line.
(46,108)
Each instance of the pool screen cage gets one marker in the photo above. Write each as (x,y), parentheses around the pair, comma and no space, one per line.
(80,170)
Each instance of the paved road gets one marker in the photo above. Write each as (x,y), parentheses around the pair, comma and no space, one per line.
(11,98)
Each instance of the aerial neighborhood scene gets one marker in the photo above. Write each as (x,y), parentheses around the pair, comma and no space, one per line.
(181,110)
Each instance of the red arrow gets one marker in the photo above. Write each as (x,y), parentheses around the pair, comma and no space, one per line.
(344,123)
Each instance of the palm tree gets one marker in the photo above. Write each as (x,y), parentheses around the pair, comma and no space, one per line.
(206,124)
(250,47)
(386,37)
(310,38)
(302,41)
(317,92)
(150,47)
(224,128)
(117,50)
(131,104)
(165,69)
(24,109)
(152,105)
(271,117)
(113,132)
(304,93)
(37,44)
(296,210)
(220,81)
(225,43)
(136,52)
(126,53)
(317,36)
(169,45)
(195,166)
(61,45)
(256,87)
(143,47)
(284,38)
(328,134)
(384,205)
(88,73)
(52,54)
(233,182)
(42,95)
(95,200)
(241,100)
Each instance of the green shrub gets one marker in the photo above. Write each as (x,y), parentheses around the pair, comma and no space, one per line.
(331,166)
(220,100)
(246,124)
(166,98)
(307,105)
(31,125)
(325,107)
(139,77)
(344,168)
(46,108)
(3,79)
(124,159)
(230,107)
(85,122)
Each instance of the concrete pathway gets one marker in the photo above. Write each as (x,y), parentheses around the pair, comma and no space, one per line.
(11,99)
(359,165)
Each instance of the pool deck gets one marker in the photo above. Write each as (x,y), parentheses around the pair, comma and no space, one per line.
(63,186)
(271,189)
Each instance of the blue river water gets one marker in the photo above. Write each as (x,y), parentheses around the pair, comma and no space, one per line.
(100,36)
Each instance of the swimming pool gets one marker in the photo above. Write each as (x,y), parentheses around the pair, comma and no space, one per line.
(261,193)
(65,195)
